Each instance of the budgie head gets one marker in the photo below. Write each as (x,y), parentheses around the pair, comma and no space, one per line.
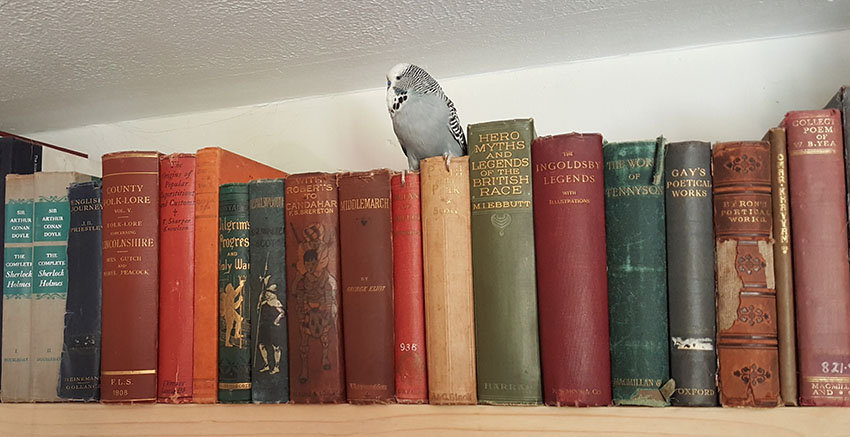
(406,79)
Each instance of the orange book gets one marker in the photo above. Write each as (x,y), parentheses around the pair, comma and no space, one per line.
(215,166)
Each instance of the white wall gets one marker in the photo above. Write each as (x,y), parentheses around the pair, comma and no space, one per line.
(716,93)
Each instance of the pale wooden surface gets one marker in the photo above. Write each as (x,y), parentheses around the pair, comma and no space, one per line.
(324,420)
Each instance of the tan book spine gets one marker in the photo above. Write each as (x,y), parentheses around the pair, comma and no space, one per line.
(783,267)
(447,250)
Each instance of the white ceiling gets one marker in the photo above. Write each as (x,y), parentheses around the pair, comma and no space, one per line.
(71,63)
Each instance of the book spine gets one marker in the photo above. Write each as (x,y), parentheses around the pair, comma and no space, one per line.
(637,272)
(17,288)
(205,343)
(411,382)
(447,275)
(50,283)
(130,276)
(819,242)
(80,366)
(746,301)
(316,364)
(366,247)
(234,293)
(690,273)
(572,284)
(503,273)
(783,267)
(176,277)
(270,374)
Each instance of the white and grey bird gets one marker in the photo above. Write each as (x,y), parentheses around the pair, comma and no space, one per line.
(424,119)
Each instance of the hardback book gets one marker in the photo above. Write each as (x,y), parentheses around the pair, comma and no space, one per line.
(130,276)
(17,288)
(79,369)
(234,294)
(316,362)
(503,273)
(16,157)
(50,280)
(637,272)
(819,243)
(176,277)
(690,273)
(214,166)
(746,301)
(411,374)
(572,283)
(447,276)
(841,102)
(267,274)
(366,248)
(783,267)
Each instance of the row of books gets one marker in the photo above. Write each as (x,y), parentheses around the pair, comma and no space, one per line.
(635,273)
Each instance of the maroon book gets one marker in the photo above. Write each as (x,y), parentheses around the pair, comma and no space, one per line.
(314,322)
(819,249)
(176,276)
(365,227)
(572,280)
(411,383)
(130,276)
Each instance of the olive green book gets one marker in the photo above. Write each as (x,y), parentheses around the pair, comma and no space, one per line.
(503,273)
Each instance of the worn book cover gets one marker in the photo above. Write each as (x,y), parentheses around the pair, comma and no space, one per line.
(234,293)
(366,248)
(130,276)
(447,274)
(316,364)
(214,166)
(79,369)
(50,280)
(176,277)
(411,381)
(637,272)
(267,274)
(572,284)
(690,273)
(819,244)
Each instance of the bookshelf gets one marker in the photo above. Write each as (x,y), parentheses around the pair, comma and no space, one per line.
(262,420)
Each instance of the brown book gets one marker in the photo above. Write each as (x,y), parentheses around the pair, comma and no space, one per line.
(130,276)
(819,242)
(783,267)
(215,166)
(746,299)
(366,246)
(447,265)
(316,365)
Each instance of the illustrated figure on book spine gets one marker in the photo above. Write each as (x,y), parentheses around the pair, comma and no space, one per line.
(315,290)
(271,334)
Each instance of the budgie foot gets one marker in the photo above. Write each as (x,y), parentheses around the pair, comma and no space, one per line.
(403,174)
(448,160)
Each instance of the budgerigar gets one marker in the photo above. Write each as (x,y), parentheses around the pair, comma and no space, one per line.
(424,119)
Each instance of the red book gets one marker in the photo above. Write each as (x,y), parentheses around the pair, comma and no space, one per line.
(130,276)
(176,276)
(366,254)
(819,249)
(572,280)
(411,384)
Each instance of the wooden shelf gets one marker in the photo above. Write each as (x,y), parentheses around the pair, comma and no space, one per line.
(276,420)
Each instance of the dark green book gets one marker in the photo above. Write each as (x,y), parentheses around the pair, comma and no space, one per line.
(234,340)
(503,272)
(637,276)
(270,375)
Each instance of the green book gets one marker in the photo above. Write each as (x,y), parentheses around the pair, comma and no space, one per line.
(637,273)
(234,340)
(503,274)
(17,288)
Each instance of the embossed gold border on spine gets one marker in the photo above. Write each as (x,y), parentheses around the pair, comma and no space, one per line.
(124,173)
(813,152)
(234,385)
(121,155)
(844,379)
(128,372)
